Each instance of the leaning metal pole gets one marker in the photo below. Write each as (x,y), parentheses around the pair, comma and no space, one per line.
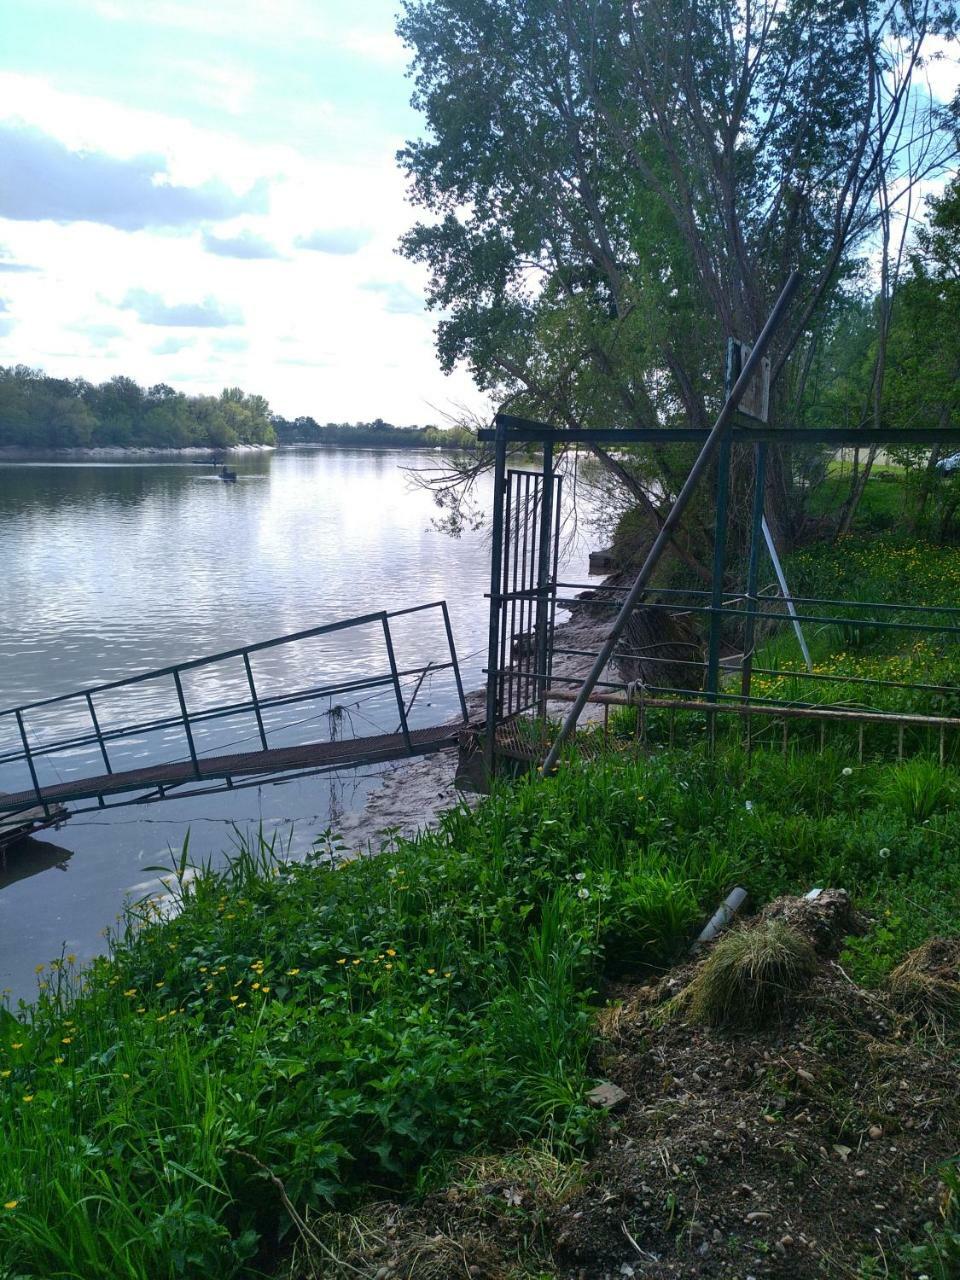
(710,446)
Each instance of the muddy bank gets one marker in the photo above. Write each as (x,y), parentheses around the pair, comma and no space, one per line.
(414,793)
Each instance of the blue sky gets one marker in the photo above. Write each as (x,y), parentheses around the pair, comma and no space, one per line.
(205,193)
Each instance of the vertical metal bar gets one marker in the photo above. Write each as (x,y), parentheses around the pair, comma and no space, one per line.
(716,594)
(513,688)
(98,732)
(30,765)
(453,658)
(860,743)
(899,741)
(558,512)
(256,702)
(186,723)
(509,551)
(543,576)
(522,602)
(394,671)
(496,558)
(753,570)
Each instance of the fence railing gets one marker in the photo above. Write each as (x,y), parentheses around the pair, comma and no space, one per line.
(30,751)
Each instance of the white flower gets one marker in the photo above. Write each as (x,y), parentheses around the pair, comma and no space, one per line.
(847,772)
(748,805)
(581,875)
(884,853)
(583,893)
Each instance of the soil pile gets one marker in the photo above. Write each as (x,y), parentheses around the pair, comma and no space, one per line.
(795,1144)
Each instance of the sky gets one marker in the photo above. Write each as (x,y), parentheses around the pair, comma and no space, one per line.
(205,193)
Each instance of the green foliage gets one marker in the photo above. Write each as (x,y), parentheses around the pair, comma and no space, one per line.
(342,1030)
(938,1257)
(365,435)
(41,412)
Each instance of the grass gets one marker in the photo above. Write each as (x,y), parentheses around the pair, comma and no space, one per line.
(750,975)
(301,1037)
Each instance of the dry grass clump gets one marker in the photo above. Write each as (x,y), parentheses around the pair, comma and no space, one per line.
(750,975)
(927,983)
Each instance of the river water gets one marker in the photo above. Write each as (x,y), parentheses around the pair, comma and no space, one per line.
(110,569)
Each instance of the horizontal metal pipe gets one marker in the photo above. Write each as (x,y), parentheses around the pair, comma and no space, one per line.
(520,430)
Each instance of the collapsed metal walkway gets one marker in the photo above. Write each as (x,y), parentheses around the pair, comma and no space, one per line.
(92,746)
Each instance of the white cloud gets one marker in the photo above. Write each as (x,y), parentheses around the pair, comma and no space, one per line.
(150,308)
(245,244)
(338,240)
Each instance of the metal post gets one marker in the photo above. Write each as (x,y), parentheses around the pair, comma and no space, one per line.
(30,765)
(394,671)
(662,539)
(97,731)
(496,556)
(719,562)
(753,569)
(186,723)
(785,590)
(453,658)
(543,573)
(256,702)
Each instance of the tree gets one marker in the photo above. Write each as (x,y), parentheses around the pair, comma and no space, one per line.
(614,188)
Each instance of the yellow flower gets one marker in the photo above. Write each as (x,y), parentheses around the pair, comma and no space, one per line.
(11,1204)
(265,990)
(125,1074)
(131,992)
(71,959)
(59,1062)
(67,1040)
(39,968)
(388,965)
(254,986)
(431,972)
(390,951)
(242,1004)
(356,962)
(28,1097)
(292,973)
(342,960)
(4,1074)
(17,1045)
(234,997)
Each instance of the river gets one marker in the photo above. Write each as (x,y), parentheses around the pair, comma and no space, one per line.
(110,569)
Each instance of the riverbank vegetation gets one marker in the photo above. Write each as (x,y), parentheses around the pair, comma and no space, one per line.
(301,1040)
(41,412)
(371,435)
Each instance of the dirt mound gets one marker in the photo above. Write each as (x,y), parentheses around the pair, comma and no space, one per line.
(824,920)
(927,983)
(805,1147)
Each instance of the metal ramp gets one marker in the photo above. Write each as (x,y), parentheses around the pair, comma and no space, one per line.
(233,719)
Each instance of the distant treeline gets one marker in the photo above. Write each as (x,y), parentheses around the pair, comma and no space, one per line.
(367,434)
(40,412)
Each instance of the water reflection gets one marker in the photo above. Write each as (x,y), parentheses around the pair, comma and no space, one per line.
(110,570)
(30,857)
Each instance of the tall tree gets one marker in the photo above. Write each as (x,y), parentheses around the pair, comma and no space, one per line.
(614,187)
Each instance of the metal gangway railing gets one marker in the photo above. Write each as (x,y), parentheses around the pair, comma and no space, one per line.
(230,719)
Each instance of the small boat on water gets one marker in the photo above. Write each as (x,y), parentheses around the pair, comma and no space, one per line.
(228,475)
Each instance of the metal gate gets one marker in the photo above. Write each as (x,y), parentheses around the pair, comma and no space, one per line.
(526,528)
